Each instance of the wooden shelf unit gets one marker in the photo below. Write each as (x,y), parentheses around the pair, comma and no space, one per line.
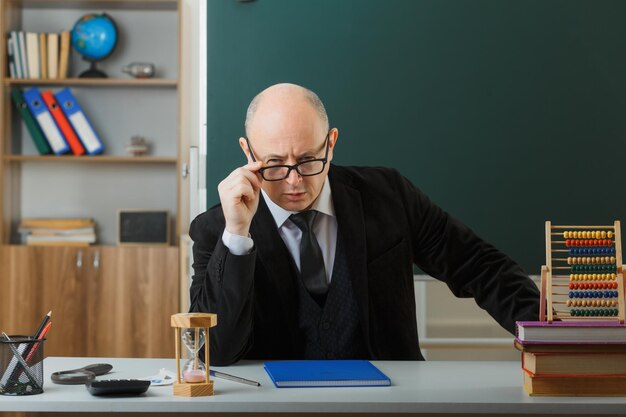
(99,4)
(15,152)
(94,290)
(93,82)
(96,159)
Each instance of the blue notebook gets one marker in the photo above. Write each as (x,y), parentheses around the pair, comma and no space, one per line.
(325,373)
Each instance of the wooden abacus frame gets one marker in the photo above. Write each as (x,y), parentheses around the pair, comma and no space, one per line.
(550,278)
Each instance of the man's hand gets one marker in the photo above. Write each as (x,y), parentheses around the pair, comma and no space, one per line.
(239,195)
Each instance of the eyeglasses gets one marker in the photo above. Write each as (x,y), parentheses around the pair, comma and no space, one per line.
(305,168)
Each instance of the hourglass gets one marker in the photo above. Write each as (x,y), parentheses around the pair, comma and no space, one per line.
(193,330)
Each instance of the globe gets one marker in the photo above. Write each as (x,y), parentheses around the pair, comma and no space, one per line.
(94,36)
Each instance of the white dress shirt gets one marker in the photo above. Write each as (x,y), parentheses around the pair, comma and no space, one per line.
(324,228)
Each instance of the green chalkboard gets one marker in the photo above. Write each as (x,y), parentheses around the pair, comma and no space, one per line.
(507,113)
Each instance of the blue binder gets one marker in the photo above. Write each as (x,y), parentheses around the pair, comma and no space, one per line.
(80,123)
(325,373)
(40,112)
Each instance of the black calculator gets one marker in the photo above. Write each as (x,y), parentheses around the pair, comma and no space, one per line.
(117,387)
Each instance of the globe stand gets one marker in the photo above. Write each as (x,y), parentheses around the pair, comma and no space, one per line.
(92,72)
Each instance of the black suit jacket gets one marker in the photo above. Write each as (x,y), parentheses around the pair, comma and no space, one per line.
(387,225)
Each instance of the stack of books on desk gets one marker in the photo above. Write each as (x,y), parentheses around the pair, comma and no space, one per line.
(58,232)
(573,358)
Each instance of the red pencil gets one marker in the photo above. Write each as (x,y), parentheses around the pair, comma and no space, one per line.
(36,345)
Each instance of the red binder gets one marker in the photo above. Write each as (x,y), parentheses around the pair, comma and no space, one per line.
(63,124)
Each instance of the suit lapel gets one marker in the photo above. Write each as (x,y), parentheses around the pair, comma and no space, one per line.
(351,229)
(275,257)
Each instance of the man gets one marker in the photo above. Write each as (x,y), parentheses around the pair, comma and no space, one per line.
(307,260)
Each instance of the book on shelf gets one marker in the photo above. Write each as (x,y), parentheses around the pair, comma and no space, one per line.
(21,42)
(565,347)
(53,56)
(32,54)
(11,57)
(43,56)
(14,42)
(593,385)
(38,55)
(56,223)
(575,363)
(85,238)
(41,143)
(571,331)
(64,55)
(58,243)
(42,231)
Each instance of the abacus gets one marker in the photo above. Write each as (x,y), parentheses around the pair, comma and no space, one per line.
(583,277)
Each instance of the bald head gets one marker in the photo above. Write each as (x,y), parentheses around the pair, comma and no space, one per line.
(285,99)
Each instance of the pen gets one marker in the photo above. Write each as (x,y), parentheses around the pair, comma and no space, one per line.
(222,375)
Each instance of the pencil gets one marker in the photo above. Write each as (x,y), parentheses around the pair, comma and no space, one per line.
(34,348)
(222,375)
(45,321)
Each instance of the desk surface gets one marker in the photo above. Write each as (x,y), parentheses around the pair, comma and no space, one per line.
(417,387)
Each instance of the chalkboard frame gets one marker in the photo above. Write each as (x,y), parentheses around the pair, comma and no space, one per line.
(131,220)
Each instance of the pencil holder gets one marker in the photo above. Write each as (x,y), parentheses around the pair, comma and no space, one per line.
(21,365)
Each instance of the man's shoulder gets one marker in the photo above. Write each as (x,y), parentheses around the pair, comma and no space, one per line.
(366,177)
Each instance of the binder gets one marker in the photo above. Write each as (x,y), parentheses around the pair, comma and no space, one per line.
(62,123)
(32,53)
(44,118)
(31,124)
(79,121)
(325,373)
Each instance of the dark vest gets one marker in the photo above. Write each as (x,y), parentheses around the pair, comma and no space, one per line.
(330,328)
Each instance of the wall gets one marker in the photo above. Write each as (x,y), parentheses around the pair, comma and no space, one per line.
(507,113)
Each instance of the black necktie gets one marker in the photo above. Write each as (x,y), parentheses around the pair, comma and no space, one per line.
(312,268)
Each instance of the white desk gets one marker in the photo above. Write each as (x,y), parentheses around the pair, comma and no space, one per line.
(418,387)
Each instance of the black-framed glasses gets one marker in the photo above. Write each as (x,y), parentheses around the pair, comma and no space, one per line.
(305,168)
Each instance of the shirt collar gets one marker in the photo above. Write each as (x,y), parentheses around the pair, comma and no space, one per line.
(323,203)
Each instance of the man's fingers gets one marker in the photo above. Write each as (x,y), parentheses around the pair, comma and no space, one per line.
(253,176)
(244,190)
(242,176)
(253,166)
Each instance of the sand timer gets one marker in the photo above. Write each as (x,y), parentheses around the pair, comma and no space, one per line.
(192,329)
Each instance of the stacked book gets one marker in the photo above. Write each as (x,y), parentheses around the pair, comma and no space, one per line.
(58,232)
(573,358)
(39,56)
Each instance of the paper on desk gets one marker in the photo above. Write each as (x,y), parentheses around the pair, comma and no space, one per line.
(164,377)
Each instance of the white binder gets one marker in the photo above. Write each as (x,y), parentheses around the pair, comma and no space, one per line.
(80,123)
(49,128)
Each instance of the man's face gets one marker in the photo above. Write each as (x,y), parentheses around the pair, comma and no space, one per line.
(287,138)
